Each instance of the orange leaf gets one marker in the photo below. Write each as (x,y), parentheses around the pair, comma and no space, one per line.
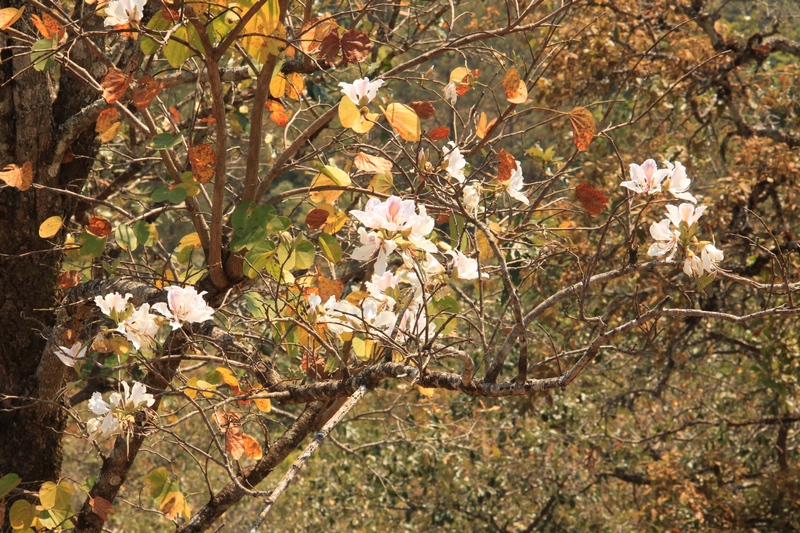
(99,227)
(329,287)
(295,84)
(439,133)
(48,26)
(355,46)
(423,108)
(110,133)
(582,122)
(591,199)
(316,218)
(252,448)
(463,86)
(106,119)
(101,507)
(404,121)
(209,120)
(114,84)
(147,88)
(370,163)
(483,128)
(507,165)
(68,279)
(176,115)
(279,118)
(273,105)
(203,160)
(19,178)
(511,83)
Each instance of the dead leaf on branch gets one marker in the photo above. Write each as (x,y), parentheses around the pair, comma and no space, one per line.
(99,227)
(203,161)
(439,133)
(19,178)
(507,165)
(423,108)
(114,84)
(372,163)
(145,91)
(101,507)
(355,46)
(591,199)
(582,122)
(48,26)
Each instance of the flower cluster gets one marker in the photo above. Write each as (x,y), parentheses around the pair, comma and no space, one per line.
(115,416)
(678,230)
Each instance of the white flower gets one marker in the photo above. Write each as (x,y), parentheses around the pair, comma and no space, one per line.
(370,243)
(106,425)
(141,327)
(693,266)
(646,178)
(414,324)
(685,212)
(679,183)
(421,226)
(68,356)
(394,214)
(667,239)
(472,199)
(185,305)
(465,267)
(136,397)
(361,89)
(339,315)
(375,317)
(514,185)
(113,305)
(455,161)
(711,256)
(97,405)
(432,267)
(380,284)
(119,12)
(450,93)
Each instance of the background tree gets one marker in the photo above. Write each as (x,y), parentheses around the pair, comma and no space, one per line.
(145,122)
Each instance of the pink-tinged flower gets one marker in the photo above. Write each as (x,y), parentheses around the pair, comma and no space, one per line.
(119,12)
(361,92)
(394,214)
(647,178)
(514,185)
(465,267)
(184,305)
(384,288)
(450,93)
(376,316)
(141,327)
(679,183)
(685,212)
(113,304)
(711,256)
(370,243)
(693,266)
(472,200)
(667,239)
(421,226)
(455,161)
(414,324)
(68,356)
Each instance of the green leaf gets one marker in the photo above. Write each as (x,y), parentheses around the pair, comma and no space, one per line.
(156,481)
(91,246)
(255,305)
(164,141)
(126,237)
(278,224)
(42,54)
(7,483)
(158,23)
(249,224)
(161,194)
(304,253)
(177,195)
(240,217)
(54,496)
(146,233)
(336,175)
(53,518)
(21,514)
(177,53)
(257,257)
(330,247)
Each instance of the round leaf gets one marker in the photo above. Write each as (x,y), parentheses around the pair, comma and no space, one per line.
(50,227)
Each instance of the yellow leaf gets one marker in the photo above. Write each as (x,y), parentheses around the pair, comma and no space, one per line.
(427,392)
(110,133)
(174,504)
(252,448)
(335,222)
(372,163)
(227,377)
(458,74)
(50,227)
(329,176)
(264,404)
(404,121)
(259,28)
(351,117)
(383,182)
(18,177)
(192,239)
(483,127)
(295,85)
(9,15)
(277,86)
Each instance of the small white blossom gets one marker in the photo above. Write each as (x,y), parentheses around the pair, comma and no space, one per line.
(361,90)
(685,212)
(450,93)
(97,405)
(647,178)
(465,267)
(711,256)
(472,200)
(693,266)
(136,397)
(113,304)
(372,242)
(68,356)
(119,12)
(184,305)
(107,425)
(679,183)
(380,284)
(667,239)
(141,327)
(514,185)
(455,161)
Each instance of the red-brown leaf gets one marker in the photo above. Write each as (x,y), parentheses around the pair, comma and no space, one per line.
(582,122)
(316,218)
(329,47)
(439,133)
(591,199)
(355,46)
(101,507)
(145,90)
(68,279)
(423,108)
(99,227)
(507,165)
(114,84)
(203,161)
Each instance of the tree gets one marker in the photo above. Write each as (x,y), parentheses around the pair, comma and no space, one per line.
(383,232)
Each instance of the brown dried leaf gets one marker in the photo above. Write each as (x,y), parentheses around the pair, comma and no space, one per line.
(252,448)
(582,122)
(439,133)
(329,47)
(329,287)
(311,38)
(591,199)
(423,108)
(101,507)
(203,161)
(316,218)
(146,89)
(99,227)
(507,165)
(372,163)
(114,84)
(106,119)
(68,279)
(355,46)
(19,178)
